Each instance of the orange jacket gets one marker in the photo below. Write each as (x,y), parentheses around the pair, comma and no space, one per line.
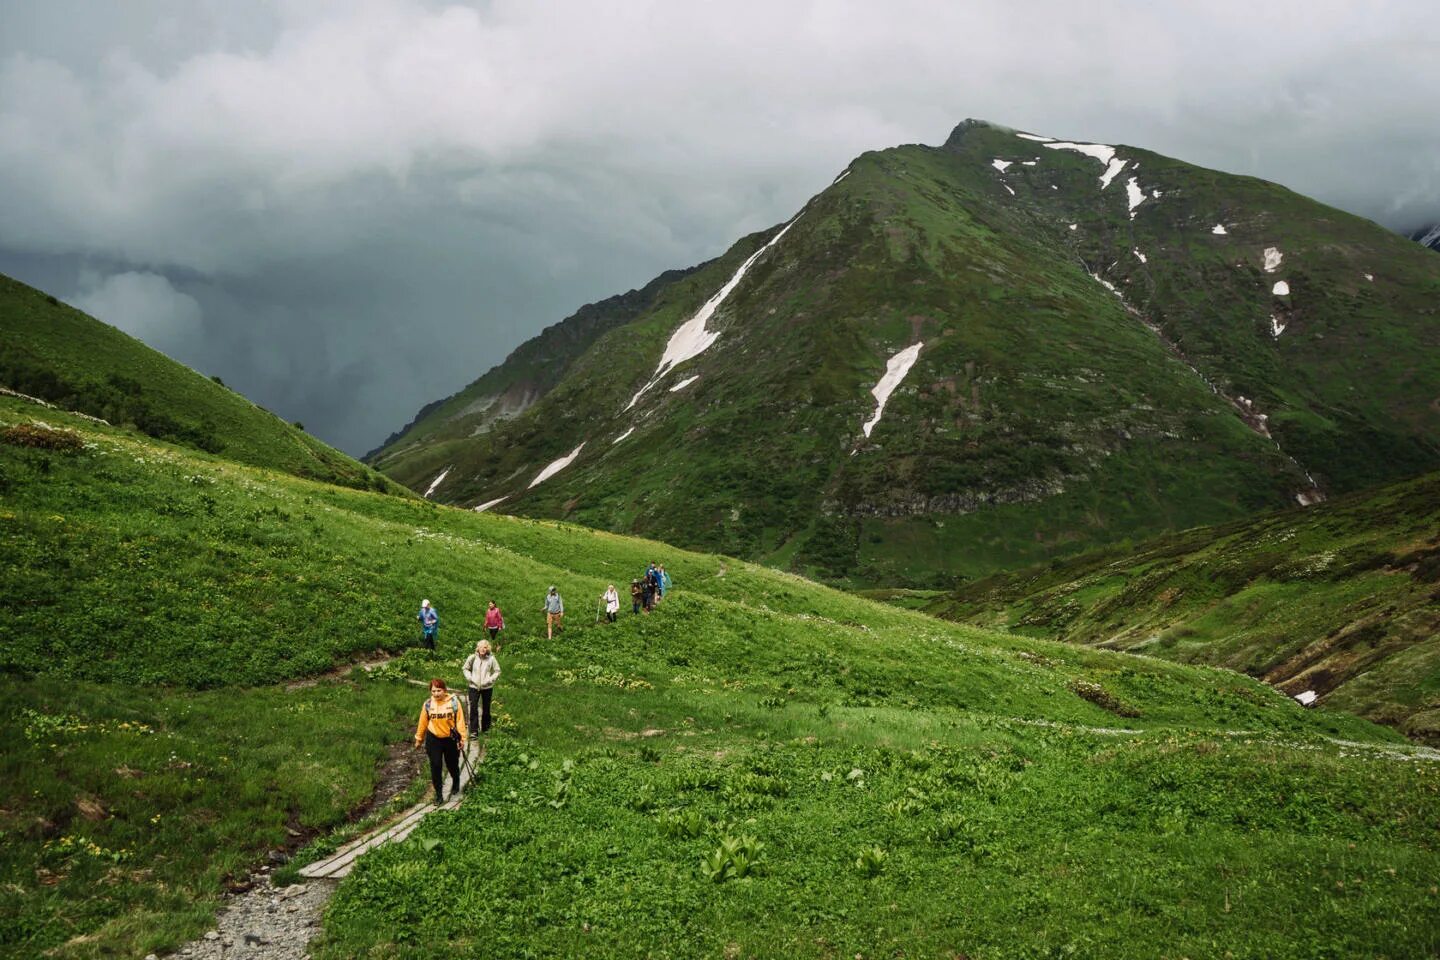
(441,718)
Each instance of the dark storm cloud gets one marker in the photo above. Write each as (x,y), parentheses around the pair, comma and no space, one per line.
(349,209)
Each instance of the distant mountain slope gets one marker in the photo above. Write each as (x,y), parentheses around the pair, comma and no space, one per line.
(56,353)
(1342,599)
(512,387)
(1074,343)
(1428,237)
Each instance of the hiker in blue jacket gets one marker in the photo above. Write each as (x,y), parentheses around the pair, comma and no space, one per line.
(429,623)
(664,581)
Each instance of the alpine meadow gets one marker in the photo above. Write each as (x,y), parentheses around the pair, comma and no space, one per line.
(1053,533)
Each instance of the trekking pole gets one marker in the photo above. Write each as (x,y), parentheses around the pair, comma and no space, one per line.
(469,770)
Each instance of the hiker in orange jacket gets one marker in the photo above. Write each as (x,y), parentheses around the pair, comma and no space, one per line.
(442,731)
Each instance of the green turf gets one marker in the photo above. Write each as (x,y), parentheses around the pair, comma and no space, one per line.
(762,766)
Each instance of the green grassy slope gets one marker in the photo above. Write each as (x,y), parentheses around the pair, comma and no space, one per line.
(1341,599)
(1045,415)
(54,352)
(1119,805)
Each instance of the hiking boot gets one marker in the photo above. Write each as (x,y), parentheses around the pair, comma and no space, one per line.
(439,797)
(455,791)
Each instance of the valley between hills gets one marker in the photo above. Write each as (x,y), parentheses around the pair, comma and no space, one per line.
(1152,447)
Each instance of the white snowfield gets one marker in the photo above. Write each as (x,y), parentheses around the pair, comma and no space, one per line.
(1037,139)
(1138,255)
(691,338)
(1111,170)
(1273,256)
(1000,165)
(1134,195)
(1281,289)
(1099,151)
(1008,187)
(488,504)
(1306,698)
(684,383)
(557,466)
(1432,236)
(1219,230)
(436,482)
(1074,226)
(1370,277)
(843,175)
(622,436)
(1028,163)
(895,369)
(1276,327)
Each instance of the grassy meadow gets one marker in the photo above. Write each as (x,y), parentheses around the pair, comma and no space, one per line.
(1339,598)
(763,766)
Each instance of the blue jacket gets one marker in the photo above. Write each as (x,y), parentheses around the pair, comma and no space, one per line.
(429,619)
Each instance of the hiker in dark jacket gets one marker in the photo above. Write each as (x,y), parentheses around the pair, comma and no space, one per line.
(636,596)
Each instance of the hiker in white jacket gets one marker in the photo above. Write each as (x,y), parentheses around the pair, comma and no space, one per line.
(481,672)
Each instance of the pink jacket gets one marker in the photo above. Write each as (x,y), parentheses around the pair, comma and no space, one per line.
(493,619)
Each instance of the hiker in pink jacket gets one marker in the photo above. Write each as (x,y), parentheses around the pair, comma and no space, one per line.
(494,622)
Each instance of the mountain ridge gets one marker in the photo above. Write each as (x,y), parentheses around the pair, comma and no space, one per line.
(1112,343)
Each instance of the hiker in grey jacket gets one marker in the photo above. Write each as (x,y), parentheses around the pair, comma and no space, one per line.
(554,610)
(481,671)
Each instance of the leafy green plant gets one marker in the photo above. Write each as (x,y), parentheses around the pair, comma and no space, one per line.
(871,861)
(735,857)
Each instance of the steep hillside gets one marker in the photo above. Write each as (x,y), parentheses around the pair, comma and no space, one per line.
(1428,237)
(508,390)
(761,767)
(1342,600)
(1075,344)
(55,353)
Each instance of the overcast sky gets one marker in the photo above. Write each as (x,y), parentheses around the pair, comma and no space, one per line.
(348,209)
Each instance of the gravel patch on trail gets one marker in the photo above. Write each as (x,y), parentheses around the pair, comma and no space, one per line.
(267,921)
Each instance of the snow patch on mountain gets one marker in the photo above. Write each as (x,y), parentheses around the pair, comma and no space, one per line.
(488,504)
(843,175)
(1111,170)
(1273,256)
(1099,151)
(1431,238)
(1138,255)
(1000,164)
(1277,326)
(691,338)
(1281,289)
(622,436)
(1074,226)
(1028,163)
(1107,285)
(1370,277)
(895,370)
(436,482)
(1037,139)
(1133,195)
(1008,187)
(684,383)
(1155,194)
(1219,230)
(557,466)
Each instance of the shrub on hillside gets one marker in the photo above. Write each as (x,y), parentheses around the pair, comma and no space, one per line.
(42,437)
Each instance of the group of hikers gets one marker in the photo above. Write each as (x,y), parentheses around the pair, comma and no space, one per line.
(445,729)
